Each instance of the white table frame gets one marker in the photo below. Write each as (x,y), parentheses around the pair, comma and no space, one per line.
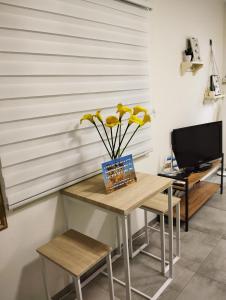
(127,283)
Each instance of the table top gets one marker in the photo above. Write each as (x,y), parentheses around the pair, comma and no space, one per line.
(122,201)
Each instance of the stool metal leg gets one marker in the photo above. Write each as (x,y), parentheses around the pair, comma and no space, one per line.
(178,229)
(163,248)
(44,278)
(78,288)
(110,277)
(146,226)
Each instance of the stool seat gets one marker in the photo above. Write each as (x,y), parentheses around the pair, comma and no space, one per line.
(159,203)
(74,252)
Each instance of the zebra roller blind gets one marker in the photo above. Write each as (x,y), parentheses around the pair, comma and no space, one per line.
(59,60)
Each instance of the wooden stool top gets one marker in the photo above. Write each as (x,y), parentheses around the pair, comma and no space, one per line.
(159,203)
(74,252)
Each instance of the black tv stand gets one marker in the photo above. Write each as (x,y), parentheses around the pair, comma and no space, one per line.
(195,189)
(203,167)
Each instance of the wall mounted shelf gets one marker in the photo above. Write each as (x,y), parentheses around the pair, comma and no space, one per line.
(210,97)
(191,66)
(214,98)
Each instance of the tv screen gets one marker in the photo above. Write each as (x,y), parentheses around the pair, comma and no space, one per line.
(198,144)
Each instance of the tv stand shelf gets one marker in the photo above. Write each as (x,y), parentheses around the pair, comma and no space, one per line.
(195,190)
(199,194)
(193,178)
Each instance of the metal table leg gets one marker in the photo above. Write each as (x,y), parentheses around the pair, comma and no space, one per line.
(44,277)
(163,250)
(130,239)
(178,230)
(126,257)
(186,205)
(78,288)
(170,223)
(118,232)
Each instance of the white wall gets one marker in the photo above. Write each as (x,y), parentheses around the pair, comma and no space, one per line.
(29,227)
(224,85)
(178,102)
(224,50)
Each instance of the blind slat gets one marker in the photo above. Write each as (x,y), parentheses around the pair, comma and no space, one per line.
(8,68)
(85,85)
(82,48)
(33,149)
(74,30)
(83,10)
(27,108)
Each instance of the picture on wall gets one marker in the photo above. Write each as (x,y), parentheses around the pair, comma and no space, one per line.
(215,84)
(195,49)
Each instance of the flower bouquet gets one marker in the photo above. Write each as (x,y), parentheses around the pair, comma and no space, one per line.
(119,171)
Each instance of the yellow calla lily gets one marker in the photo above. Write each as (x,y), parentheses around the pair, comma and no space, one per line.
(112,121)
(139,109)
(122,109)
(88,117)
(135,119)
(146,119)
(98,116)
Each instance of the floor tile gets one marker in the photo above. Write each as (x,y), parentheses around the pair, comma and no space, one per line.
(202,288)
(218,201)
(214,265)
(195,247)
(210,220)
(90,292)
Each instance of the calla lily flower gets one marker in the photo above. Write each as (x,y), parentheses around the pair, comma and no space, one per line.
(146,119)
(112,121)
(88,117)
(115,144)
(135,119)
(98,116)
(139,109)
(122,109)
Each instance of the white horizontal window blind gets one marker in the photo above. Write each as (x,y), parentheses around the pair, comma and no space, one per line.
(59,60)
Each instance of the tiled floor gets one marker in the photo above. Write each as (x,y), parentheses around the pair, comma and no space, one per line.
(199,275)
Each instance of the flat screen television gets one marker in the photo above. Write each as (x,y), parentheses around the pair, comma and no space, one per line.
(196,145)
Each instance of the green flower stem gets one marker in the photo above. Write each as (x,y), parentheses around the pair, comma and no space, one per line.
(115,139)
(120,132)
(102,139)
(120,142)
(113,154)
(129,140)
(106,135)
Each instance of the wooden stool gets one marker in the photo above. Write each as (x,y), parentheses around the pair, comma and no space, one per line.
(159,206)
(76,253)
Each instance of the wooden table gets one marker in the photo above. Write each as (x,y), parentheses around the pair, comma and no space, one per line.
(121,203)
